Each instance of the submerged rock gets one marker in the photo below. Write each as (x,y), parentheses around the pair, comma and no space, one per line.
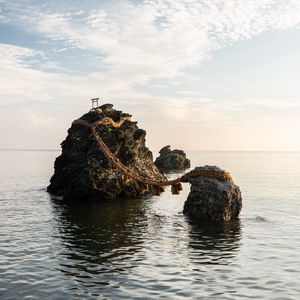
(211,199)
(83,171)
(172,160)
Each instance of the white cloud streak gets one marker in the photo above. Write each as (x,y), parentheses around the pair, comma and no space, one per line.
(158,39)
(136,43)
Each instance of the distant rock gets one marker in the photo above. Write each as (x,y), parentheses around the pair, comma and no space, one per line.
(82,170)
(172,160)
(211,199)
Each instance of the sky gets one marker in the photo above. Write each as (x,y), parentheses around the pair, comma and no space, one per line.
(196,74)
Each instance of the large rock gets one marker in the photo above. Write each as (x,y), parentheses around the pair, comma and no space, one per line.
(211,199)
(82,170)
(172,160)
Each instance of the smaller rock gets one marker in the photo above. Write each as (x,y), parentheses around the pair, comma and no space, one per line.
(172,160)
(211,199)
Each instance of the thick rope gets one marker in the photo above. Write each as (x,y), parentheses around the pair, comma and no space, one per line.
(220,175)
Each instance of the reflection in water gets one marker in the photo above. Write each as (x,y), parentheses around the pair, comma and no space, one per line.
(109,243)
(99,237)
(212,243)
(146,248)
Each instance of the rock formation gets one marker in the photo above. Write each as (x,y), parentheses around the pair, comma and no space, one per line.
(82,170)
(172,160)
(211,199)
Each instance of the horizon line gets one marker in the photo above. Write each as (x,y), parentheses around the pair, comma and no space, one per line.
(56,150)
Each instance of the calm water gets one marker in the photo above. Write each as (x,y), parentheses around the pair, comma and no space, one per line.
(146,249)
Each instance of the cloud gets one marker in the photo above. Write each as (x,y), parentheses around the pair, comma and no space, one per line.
(14,54)
(134,43)
(130,45)
(3,19)
(272,103)
(157,39)
(38,120)
(17,79)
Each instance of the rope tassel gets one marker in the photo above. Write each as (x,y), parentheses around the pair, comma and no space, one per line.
(176,188)
(143,188)
(155,190)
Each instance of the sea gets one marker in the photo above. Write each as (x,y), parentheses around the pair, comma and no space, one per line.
(146,248)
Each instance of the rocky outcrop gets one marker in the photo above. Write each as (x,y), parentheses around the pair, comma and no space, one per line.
(211,199)
(172,160)
(82,170)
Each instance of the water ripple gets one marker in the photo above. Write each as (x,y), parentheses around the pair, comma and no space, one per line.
(146,248)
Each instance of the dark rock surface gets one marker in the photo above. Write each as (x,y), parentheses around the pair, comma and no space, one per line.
(82,170)
(213,200)
(172,160)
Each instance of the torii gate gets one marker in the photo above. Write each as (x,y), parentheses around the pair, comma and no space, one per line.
(95,103)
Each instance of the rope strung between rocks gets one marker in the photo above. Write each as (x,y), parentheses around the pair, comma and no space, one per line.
(176,186)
